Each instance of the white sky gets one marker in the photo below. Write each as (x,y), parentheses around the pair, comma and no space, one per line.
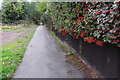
(29,0)
(1,3)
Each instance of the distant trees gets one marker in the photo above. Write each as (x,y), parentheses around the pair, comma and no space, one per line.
(39,12)
(12,11)
(22,11)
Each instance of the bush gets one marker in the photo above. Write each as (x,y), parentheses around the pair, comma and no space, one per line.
(97,22)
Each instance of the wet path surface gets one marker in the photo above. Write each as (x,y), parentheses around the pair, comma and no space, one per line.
(44,59)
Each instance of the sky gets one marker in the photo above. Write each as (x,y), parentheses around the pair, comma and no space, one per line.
(1,3)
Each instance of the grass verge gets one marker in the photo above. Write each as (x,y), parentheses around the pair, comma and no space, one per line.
(13,52)
(16,27)
(73,59)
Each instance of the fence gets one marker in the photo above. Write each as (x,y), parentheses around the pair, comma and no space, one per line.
(103,58)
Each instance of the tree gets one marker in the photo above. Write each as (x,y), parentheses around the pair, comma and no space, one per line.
(12,11)
(18,11)
(40,11)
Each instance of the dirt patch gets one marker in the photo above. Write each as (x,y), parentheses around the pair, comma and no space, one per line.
(10,36)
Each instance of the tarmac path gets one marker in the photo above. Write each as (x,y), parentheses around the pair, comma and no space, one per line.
(44,59)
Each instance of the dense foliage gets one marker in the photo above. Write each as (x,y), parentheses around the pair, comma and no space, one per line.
(12,11)
(97,22)
(22,12)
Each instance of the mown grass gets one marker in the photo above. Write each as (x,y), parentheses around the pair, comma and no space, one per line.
(12,54)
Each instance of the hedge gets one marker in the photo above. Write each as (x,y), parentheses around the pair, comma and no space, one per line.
(97,22)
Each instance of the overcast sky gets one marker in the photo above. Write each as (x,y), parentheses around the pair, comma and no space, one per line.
(1,3)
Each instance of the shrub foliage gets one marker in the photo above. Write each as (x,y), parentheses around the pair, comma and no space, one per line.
(96,22)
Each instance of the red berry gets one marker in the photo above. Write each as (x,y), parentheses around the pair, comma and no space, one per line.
(118,33)
(109,22)
(86,9)
(85,40)
(113,38)
(118,15)
(104,6)
(117,2)
(117,40)
(92,7)
(114,42)
(93,18)
(94,3)
(64,32)
(62,27)
(107,11)
(103,12)
(117,29)
(111,10)
(99,43)
(71,31)
(98,7)
(97,13)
